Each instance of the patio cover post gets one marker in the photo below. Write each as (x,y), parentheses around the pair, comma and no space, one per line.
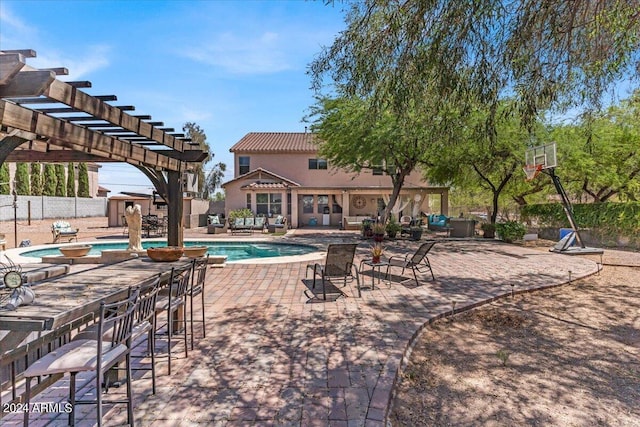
(175,234)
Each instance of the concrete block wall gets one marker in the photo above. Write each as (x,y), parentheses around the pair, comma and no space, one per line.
(46,207)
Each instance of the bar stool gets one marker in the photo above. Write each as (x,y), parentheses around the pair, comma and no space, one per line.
(94,354)
(171,301)
(198,277)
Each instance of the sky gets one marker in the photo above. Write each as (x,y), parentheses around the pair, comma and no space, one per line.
(232,67)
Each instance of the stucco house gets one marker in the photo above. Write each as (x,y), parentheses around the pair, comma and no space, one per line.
(280,173)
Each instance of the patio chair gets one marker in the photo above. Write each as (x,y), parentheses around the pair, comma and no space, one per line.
(173,301)
(405,224)
(338,265)
(198,276)
(97,355)
(63,230)
(144,323)
(415,262)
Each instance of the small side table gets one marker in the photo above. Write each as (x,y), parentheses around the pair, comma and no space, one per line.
(373,266)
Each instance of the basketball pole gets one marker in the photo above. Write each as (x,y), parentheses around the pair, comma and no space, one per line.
(566,203)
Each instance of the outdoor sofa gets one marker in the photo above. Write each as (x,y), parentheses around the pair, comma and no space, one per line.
(353,222)
(247,225)
(278,224)
(437,222)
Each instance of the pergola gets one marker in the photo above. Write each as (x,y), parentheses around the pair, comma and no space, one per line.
(49,120)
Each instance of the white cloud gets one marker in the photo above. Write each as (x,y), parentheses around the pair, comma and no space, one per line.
(263,54)
(15,31)
(79,67)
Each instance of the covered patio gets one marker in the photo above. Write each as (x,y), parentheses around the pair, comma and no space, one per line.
(48,120)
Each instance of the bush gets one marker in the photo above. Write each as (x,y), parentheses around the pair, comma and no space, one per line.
(613,218)
(240,213)
(510,231)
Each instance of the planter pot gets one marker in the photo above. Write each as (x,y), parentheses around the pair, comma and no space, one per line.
(489,234)
(165,254)
(195,251)
(416,234)
(378,237)
(75,251)
(392,234)
(375,259)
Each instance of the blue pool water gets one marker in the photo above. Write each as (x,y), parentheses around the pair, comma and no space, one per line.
(235,251)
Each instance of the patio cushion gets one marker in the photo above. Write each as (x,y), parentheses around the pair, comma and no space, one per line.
(76,356)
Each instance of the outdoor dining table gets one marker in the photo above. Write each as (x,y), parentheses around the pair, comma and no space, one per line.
(70,297)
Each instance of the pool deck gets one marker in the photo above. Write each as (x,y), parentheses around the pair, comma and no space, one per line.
(273,357)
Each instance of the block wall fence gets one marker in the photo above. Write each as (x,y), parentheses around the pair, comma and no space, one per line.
(48,207)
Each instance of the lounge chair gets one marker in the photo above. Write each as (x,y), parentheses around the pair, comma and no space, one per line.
(63,230)
(215,225)
(338,265)
(279,224)
(415,262)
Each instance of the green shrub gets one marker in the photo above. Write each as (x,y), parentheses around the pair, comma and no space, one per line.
(614,218)
(510,231)
(240,213)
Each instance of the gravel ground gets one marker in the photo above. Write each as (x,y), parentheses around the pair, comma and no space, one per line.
(563,357)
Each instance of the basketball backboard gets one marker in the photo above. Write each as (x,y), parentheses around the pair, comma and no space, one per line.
(543,156)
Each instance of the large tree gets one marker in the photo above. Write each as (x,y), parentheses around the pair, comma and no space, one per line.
(198,136)
(214,180)
(83,180)
(4,178)
(50,180)
(71,180)
(600,153)
(352,138)
(23,186)
(36,179)
(61,184)
(540,52)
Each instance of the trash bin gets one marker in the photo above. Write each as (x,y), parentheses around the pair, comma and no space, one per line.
(461,227)
(313,221)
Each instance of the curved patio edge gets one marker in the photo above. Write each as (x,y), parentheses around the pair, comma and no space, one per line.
(406,354)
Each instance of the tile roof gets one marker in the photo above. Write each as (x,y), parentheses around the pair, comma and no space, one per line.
(258,173)
(275,142)
(266,186)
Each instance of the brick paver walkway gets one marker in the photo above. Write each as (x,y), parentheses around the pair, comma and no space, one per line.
(273,357)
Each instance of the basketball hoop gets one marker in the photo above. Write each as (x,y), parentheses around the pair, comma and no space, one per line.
(531,171)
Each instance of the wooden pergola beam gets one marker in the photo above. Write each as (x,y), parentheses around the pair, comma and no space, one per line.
(28,83)
(10,65)
(82,139)
(64,156)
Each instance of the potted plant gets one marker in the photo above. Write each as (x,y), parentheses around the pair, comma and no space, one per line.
(376,253)
(393,228)
(416,232)
(510,231)
(488,230)
(378,230)
(367,229)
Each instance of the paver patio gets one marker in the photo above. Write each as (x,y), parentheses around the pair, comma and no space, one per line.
(273,357)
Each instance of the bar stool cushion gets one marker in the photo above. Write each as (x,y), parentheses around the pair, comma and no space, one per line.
(90,332)
(76,356)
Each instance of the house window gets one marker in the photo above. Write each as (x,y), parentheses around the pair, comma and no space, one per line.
(243,165)
(323,204)
(307,204)
(317,164)
(377,171)
(268,204)
(249,201)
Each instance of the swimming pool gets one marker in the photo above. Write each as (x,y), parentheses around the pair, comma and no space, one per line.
(235,251)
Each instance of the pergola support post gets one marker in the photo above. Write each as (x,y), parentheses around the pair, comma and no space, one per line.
(175,234)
